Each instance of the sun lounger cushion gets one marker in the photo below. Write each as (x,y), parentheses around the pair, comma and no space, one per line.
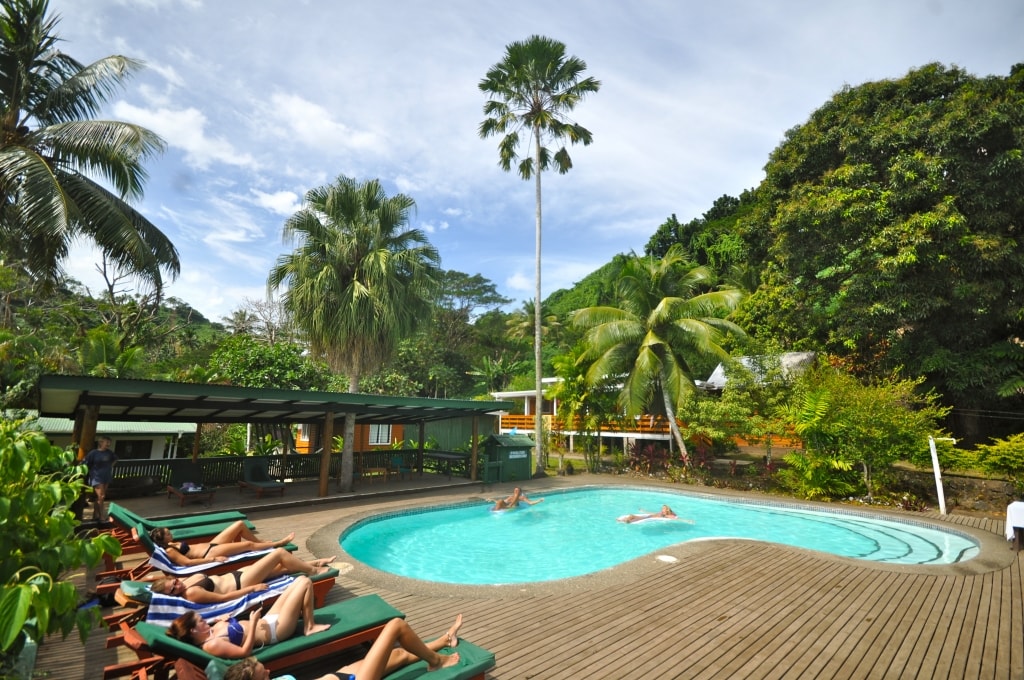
(345,618)
(128,519)
(473,661)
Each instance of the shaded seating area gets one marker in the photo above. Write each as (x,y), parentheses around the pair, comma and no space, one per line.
(186,483)
(255,476)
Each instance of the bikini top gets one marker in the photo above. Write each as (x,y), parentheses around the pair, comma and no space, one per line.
(206,584)
(182,547)
(236,634)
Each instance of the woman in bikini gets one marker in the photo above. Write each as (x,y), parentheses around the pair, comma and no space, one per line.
(514,500)
(230,638)
(665,513)
(208,589)
(234,540)
(383,658)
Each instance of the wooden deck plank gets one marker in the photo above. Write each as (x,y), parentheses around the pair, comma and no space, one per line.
(728,609)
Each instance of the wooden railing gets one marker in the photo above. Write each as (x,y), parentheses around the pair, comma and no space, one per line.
(227,470)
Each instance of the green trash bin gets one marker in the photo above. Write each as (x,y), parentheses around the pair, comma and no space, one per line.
(509,458)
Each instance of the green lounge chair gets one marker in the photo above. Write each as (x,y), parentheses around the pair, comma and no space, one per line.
(186,483)
(256,477)
(473,662)
(353,622)
(128,519)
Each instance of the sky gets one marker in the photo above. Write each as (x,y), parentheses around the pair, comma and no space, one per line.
(260,101)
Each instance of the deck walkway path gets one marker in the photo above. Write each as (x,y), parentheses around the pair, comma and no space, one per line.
(727,609)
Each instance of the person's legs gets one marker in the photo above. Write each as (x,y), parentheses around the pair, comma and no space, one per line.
(99,514)
(278,562)
(383,658)
(296,601)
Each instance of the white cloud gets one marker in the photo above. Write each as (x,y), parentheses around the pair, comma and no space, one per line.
(185,129)
(302,121)
(285,203)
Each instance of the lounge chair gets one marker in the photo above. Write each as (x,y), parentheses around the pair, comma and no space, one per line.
(352,622)
(473,663)
(187,483)
(256,477)
(127,519)
(138,603)
(185,528)
(108,581)
(399,467)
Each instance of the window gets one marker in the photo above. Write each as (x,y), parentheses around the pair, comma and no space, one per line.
(380,435)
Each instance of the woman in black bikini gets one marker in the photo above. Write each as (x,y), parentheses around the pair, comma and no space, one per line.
(207,589)
(234,540)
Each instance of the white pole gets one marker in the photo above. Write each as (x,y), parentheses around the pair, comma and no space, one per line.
(938,476)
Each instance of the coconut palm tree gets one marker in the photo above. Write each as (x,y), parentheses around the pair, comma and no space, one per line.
(51,150)
(668,314)
(532,90)
(358,281)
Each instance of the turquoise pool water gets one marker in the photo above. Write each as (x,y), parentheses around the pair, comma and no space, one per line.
(575,532)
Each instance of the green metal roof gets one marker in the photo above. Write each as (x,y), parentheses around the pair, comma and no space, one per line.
(115,428)
(155,401)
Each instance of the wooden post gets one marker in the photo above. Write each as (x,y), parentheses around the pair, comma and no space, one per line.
(195,442)
(473,448)
(89,417)
(327,438)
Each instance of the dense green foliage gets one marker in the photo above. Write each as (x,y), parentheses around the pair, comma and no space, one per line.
(51,149)
(38,547)
(892,220)
(666,316)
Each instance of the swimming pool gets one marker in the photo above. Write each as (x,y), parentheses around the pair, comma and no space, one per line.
(575,532)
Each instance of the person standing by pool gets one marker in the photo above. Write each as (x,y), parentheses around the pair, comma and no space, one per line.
(100,462)
(513,501)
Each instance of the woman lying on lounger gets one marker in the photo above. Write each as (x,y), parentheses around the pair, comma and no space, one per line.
(234,540)
(382,659)
(207,589)
(233,639)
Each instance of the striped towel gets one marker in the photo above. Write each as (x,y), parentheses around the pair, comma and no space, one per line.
(163,609)
(159,559)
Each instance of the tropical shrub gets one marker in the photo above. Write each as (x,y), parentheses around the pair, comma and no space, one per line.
(1005,457)
(39,483)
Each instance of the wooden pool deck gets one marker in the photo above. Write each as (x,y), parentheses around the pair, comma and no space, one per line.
(725,609)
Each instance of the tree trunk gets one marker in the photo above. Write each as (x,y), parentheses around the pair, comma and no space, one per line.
(350,440)
(673,426)
(538,367)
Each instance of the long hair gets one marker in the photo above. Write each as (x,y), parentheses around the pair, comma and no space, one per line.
(181,628)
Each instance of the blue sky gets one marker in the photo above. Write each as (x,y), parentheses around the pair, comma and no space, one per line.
(262,100)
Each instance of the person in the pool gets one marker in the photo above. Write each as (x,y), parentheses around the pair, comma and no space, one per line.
(396,647)
(665,513)
(514,500)
(235,540)
(230,638)
(211,588)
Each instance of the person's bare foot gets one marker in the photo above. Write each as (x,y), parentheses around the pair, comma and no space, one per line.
(446,661)
(453,633)
(317,628)
(323,561)
(286,540)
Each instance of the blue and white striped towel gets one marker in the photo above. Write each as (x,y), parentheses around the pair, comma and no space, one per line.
(163,609)
(162,561)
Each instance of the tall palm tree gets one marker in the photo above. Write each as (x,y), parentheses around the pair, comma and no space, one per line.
(358,281)
(532,90)
(51,150)
(668,313)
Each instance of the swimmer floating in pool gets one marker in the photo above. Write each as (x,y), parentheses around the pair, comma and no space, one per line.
(665,513)
(513,501)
